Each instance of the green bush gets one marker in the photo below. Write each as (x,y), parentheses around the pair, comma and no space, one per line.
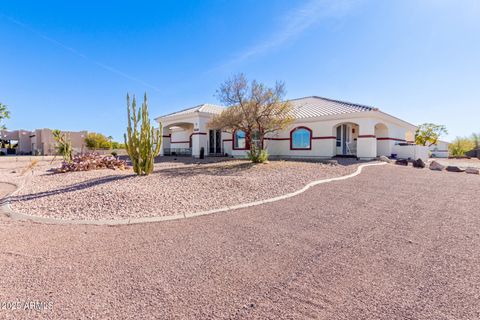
(257,155)
(95,141)
(117,145)
(460,146)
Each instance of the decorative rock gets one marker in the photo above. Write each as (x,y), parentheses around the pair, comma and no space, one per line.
(434,165)
(454,169)
(472,171)
(419,164)
(384,159)
(402,162)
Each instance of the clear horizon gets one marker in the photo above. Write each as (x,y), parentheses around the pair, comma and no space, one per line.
(70,65)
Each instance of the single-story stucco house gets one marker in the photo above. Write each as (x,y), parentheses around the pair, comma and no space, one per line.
(323,128)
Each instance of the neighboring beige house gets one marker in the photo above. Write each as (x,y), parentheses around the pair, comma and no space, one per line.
(323,128)
(16,142)
(37,142)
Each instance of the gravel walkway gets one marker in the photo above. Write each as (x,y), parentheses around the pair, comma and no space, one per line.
(173,188)
(382,245)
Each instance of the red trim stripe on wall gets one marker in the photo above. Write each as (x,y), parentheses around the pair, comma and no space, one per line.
(393,139)
(313,138)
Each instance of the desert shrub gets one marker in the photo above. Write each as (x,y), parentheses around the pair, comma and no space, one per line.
(97,141)
(92,161)
(31,166)
(114,153)
(257,155)
(117,145)
(460,145)
(63,145)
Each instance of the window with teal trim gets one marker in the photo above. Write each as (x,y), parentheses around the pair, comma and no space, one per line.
(301,139)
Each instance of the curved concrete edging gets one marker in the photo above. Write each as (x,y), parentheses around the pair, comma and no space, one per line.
(5,207)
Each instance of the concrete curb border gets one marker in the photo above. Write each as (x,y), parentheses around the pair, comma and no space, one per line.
(5,206)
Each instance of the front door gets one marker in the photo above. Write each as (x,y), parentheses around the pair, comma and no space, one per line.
(214,141)
(343,137)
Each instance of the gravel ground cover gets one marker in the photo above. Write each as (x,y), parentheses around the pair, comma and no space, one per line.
(175,187)
(462,163)
(17,169)
(390,243)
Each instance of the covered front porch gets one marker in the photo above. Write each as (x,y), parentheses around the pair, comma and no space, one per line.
(363,140)
(188,139)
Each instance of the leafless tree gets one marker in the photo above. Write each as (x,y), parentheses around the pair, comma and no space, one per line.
(253,108)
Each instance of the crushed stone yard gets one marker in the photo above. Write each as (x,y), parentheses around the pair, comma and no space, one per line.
(173,188)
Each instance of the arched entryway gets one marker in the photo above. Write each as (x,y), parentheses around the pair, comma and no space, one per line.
(346,135)
(177,139)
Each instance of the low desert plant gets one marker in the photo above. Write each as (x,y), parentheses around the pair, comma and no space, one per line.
(92,161)
(30,166)
(142,143)
(64,145)
(115,154)
(257,155)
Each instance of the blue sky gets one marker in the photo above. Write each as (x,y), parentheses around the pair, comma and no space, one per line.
(69,64)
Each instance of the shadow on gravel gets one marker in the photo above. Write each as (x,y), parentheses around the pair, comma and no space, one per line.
(225,170)
(237,168)
(74,187)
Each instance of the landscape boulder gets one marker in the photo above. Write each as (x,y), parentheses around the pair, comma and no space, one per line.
(472,170)
(454,169)
(418,164)
(384,159)
(402,162)
(434,165)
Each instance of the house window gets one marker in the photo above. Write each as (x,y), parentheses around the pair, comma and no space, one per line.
(301,139)
(239,140)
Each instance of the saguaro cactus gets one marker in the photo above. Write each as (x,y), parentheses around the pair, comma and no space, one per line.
(142,144)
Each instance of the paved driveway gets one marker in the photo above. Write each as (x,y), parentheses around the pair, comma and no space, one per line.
(392,243)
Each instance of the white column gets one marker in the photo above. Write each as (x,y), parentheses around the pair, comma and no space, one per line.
(165,140)
(199,140)
(366,141)
(199,136)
